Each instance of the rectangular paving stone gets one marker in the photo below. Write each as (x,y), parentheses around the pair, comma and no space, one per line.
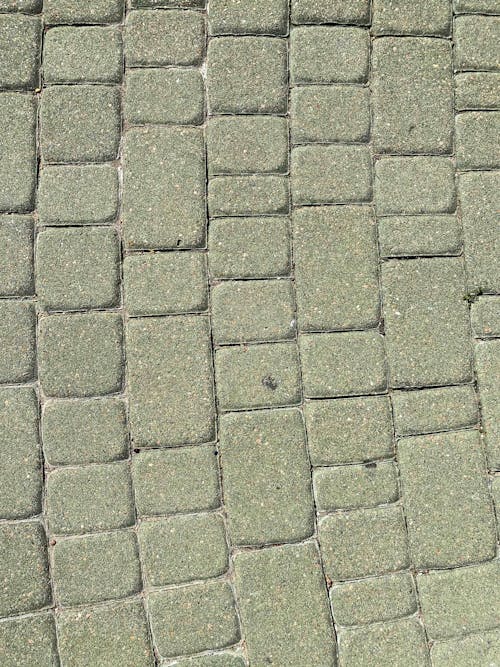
(477,43)
(164,208)
(260,17)
(477,90)
(483,648)
(485,316)
(280,590)
(26,6)
(246,195)
(404,17)
(331,11)
(67,11)
(170,381)
(215,660)
(426,322)
(445,494)
(16,255)
(488,367)
(267,480)
(17,341)
(20,40)
(184,4)
(419,235)
(30,638)
(478,146)
(480,6)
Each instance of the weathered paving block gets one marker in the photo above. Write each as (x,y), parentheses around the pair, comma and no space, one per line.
(80,354)
(349,430)
(99,11)
(485,316)
(245,195)
(412,93)
(16,255)
(495,492)
(249,311)
(426,322)
(20,39)
(419,235)
(365,542)
(176,480)
(164,96)
(26,6)
(78,268)
(84,431)
(280,590)
(258,376)
(164,208)
(17,341)
(170,381)
(477,43)
(460,601)
(214,660)
(488,368)
(336,268)
(192,619)
(24,570)
(247,75)
(480,6)
(440,475)
(342,364)
(329,54)
(404,17)
(31,639)
(89,499)
(227,17)
(478,145)
(331,11)
(266,480)
(477,90)
(482,649)
(183,548)
(154,39)
(184,4)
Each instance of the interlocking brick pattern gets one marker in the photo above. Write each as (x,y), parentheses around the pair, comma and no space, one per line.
(249,333)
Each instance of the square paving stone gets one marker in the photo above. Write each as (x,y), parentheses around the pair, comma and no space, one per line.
(280,590)
(24,569)
(26,6)
(171,399)
(192,619)
(164,208)
(28,641)
(342,364)
(20,40)
(183,548)
(483,648)
(16,255)
(77,54)
(214,660)
(247,75)
(246,195)
(249,311)
(260,17)
(96,568)
(485,316)
(160,38)
(331,11)
(477,90)
(364,542)
(80,123)
(21,479)
(114,635)
(404,17)
(336,268)
(80,354)
(480,6)
(257,376)
(477,43)
(267,479)
(477,137)
(329,54)
(488,369)
(17,341)
(78,194)
(78,268)
(349,430)
(69,11)
(176,480)
(89,499)
(419,235)
(440,474)
(84,431)
(164,96)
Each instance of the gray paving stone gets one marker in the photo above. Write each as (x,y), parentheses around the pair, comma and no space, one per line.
(246,195)
(183,548)
(24,570)
(230,17)
(488,367)
(28,641)
(26,6)
(349,430)
(460,601)
(21,480)
(164,96)
(69,12)
(485,316)
(80,123)
(249,311)
(89,499)
(478,146)
(87,53)
(170,381)
(78,268)
(192,475)
(331,11)
(17,152)
(364,542)
(215,660)
(495,492)
(154,39)
(280,590)
(77,194)
(373,600)
(164,283)
(481,649)
(20,40)
(329,54)
(257,376)
(477,90)
(247,75)
(17,341)
(404,17)
(419,235)
(411,185)
(445,529)
(480,6)
(336,268)
(164,208)
(342,364)
(412,92)
(477,43)
(266,480)
(192,619)
(426,322)
(183,4)
(16,255)
(247,144)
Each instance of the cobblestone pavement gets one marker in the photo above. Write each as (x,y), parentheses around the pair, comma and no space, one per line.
(249,333)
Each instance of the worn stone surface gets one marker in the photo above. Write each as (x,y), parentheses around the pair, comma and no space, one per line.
(20,40)
(480,6)
(231,17)
(243,195)
(66,11)
(419,235)
(404,17)
(17,341)
(478,145)
(26,6)
(483,649)
(488,366)
(477,90)
(331,11)
(214,660)
(16,255)
(476,43)
(30,640)
(485,316)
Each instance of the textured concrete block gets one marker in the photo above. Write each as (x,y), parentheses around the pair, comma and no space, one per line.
(247,195)
(183,4)
(230,17)
(482,648)
(404,17)
(477,43)
(419,235)
(26,6)
(485,316)
(99,11)
(477,137)
(17,341)
(16,255)
(331,11)
(20,40)
(479,6)
(30,639)
(477,90)
(488,367)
